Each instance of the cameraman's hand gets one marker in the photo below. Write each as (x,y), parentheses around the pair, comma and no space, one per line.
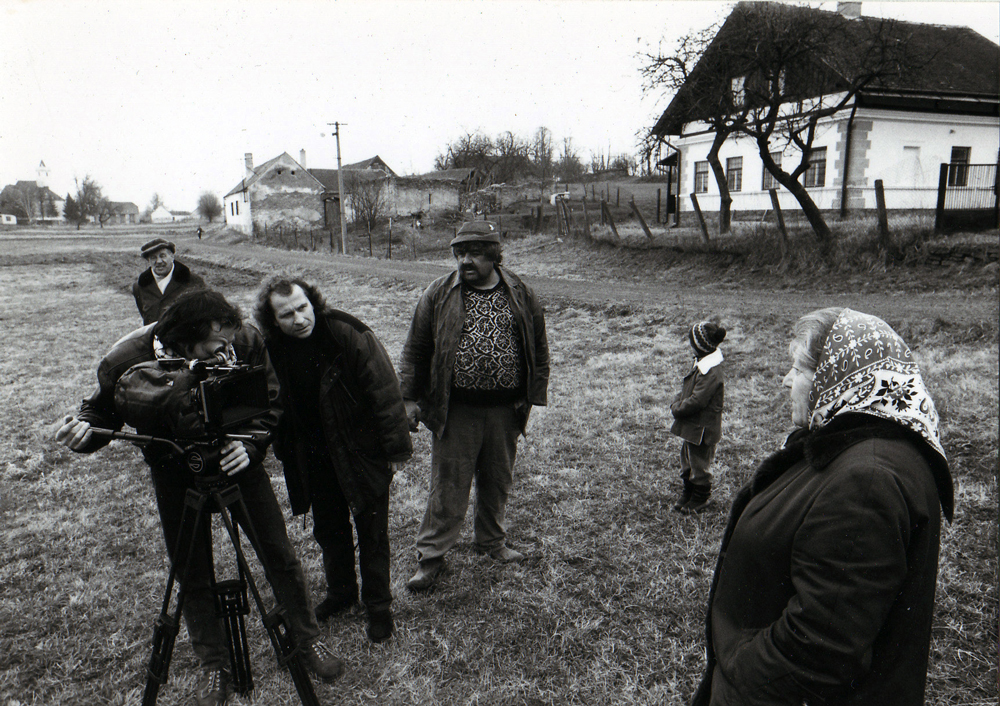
(412,414)
(73,433)
(234,458)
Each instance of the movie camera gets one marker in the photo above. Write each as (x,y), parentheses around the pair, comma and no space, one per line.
(200,406)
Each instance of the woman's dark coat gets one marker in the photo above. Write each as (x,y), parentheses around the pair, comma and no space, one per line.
(824,588)
(363,418)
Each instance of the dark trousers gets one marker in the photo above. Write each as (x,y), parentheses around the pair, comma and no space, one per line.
(333,532)
(284,571)
(695,462)
(478,443)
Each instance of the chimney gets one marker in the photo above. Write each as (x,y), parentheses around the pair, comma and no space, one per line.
(302,159)
(850,10)
(248,160)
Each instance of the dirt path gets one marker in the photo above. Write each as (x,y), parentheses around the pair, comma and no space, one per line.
(952,307)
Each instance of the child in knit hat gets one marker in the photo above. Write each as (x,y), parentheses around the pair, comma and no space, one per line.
(697,411)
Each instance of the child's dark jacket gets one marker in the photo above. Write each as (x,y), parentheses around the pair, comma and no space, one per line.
(697,409)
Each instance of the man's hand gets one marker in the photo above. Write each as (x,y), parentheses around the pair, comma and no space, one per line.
(234,458)
(73,433)
(412,414)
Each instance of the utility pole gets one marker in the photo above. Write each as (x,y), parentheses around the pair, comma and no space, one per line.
(340,190)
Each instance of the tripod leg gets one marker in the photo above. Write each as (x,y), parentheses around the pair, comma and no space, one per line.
(232,606)
(288,654)
(166,625)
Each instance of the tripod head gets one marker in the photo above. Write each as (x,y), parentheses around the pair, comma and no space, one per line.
(202,457)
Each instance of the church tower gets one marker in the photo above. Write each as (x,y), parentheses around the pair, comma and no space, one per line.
(42,178)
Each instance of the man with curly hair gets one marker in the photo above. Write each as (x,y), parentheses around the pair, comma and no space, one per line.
(343,428)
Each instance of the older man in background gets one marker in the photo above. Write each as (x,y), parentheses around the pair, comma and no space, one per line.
(165,280)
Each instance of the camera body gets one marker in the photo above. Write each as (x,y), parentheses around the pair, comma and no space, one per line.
(199,405)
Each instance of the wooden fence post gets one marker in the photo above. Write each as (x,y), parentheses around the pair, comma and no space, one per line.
(781,222)
(607,214)
(586,219)
(701,219)
(618,196)
(883,217)
(638,214)
(942,191)
(658,192)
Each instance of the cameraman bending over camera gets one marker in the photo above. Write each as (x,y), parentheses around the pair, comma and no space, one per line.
(202,325)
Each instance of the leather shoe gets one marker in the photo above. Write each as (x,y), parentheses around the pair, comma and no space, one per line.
(330,607)
(213,688)
(320,661)
(426,576)
(506,555)
(380,626)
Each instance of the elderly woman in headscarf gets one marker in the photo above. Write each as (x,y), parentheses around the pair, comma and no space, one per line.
(824,588)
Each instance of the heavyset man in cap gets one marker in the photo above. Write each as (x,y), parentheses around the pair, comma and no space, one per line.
(165,280)
(475,361)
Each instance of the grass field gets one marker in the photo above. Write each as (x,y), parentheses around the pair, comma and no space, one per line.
(608,608)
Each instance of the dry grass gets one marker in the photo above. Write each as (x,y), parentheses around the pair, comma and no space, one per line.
(609,607)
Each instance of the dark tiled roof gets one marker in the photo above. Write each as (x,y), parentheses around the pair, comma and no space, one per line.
(953,61)
(328,177)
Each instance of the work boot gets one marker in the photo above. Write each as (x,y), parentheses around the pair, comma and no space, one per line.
(380,626)
(700,500)
(685,496)
(213,688)
(321,661)
(504,554)
(331,606)
(426,576)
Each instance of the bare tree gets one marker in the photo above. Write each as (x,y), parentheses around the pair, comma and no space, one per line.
(723,111)
(154,203)
(569,167)
(513,161)
(541,156)
(209,207)
(368,194)
(797,67)
(89,200)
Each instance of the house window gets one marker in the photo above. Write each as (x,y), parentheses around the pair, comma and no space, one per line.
(701,177)
(958,171)
(816,173)
(237,204)
(769,182)
(734,173)
(738,87)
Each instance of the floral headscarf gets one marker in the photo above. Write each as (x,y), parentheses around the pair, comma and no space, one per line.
(866,367)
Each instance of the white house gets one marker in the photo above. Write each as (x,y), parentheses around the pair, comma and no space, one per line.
(949,112)
(161,215)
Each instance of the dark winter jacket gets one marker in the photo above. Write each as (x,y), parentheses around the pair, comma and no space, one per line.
(137,347)
(697,409)
(151,303)
(824,588)
(363,418)
(428,360)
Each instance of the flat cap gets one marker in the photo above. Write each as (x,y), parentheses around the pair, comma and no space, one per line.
(157,244)
(477,231)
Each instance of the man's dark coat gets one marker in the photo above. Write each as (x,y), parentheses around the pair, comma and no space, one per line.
(148,299)
(363,418)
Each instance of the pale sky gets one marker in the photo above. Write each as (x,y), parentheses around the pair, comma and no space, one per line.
(166,96)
